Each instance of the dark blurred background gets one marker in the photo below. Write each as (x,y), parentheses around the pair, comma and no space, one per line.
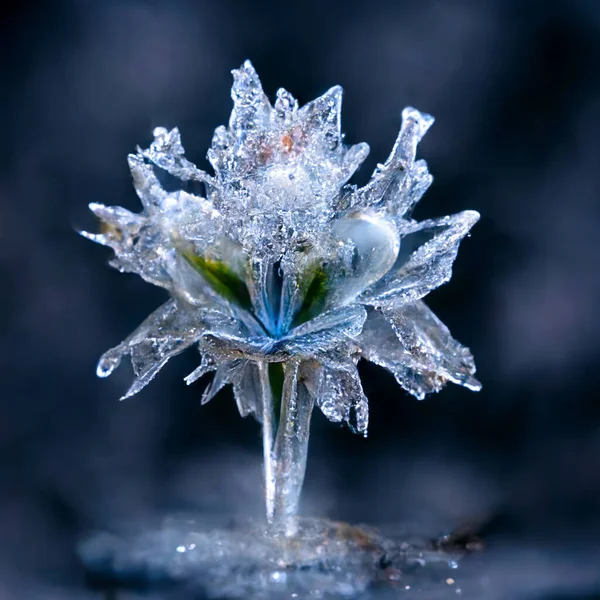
(515,89)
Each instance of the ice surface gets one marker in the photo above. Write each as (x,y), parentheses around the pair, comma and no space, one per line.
(280,260)
(206,558)
(322,559)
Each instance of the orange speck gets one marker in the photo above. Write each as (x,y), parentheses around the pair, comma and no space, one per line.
(287,142)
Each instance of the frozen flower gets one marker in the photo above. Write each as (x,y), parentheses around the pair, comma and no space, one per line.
(283,274)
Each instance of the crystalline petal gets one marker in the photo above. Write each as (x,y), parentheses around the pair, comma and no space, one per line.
(165,333)
(227,372)
(219,152)
(439,356)
(207,364)
(400,182)
(147,253)
(323,117)
(320,121)
(353,158)
(428,267)
(321,334)
(380,345)
(119,226)
(410,190)
(347,320)
(341,398)
(227,336)
(418,349)
(414,126)
(260,282)
(230,345)
(251,107)
(167,153)
(325,331)
(298,270)
(285,104)
(146,184)
(190,287)
(117,220)
(193,219)
(139,245)
(247,392)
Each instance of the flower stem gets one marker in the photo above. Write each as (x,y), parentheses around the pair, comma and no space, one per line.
(286,426)
(268,426)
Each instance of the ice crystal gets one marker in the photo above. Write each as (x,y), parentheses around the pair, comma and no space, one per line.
(282,273)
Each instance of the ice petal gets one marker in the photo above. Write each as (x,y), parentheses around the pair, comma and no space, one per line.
(147,251)
(166,152)
(323,117)
(251,107)
(428,267)
(119,226)
(416,181)
(380,345)
(263,291)
(117,216)
(320,335)
(341,398)
(146,184)
(414,126)
(429,341)
(400,182)
(230,345)
(325,332)
(285,104)
(166,332)
(417,349)
(353,157)
(207,364)
(247,391)
(227,372)
(219,153)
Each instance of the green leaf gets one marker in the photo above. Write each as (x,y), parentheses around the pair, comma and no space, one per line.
(314,282)
(221,278)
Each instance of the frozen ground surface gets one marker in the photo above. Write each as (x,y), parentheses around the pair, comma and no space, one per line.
(326,559)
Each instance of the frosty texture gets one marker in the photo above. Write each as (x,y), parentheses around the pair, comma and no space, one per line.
(283,274)
(324,559)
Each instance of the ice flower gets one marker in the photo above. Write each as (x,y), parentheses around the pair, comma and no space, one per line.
(283,274)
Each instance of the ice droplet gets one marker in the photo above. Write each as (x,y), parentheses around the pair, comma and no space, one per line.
(109,361)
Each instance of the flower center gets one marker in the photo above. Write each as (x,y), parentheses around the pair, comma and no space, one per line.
(285,304)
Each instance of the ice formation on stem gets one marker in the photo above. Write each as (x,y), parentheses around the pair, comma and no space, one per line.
(285,275)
